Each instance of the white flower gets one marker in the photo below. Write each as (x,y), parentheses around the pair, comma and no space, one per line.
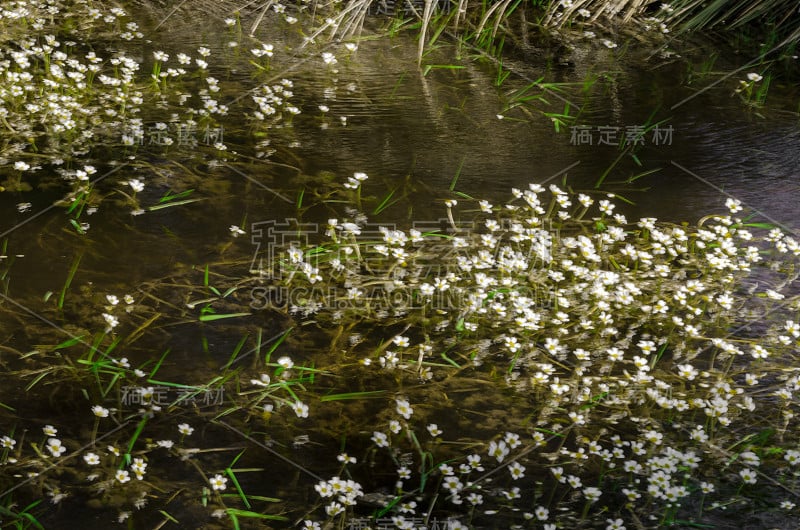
(91,459)
(124,363)
(324,489)
(49,430)
(286,362)
(748,476)
(380,439)
(138,466)
(591,493)
(734,205)
(517,470)
(236,231)
(498,450)
(263,380)
(218,482)
(111,321)
(136,184)
(574,481)
(100,412)
(754,77)
(615,524)
(55,447)
(401,341)
(512,439)
(404,408)
(453,484)
(185,429)
(346,459)
(434,430)
(688,371)
(122,476)
(301,409)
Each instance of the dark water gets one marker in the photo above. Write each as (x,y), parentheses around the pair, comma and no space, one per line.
(408,131)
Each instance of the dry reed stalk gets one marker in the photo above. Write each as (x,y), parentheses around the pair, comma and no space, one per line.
(427,14)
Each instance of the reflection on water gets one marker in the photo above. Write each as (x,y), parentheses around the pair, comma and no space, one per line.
(414,133)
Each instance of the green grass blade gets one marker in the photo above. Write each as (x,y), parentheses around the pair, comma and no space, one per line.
(233,513)
(68,343)
(169,517)
(450,361)
(458,174)
(209,318)
(136,433)
(236,484)
(353,395)
(277,343)
(72,270)
(170,197)
(171,204)
(384,203)
(236,351)
(158,364)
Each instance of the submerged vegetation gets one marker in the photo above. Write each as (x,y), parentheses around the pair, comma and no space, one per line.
(537,361)
(642,378)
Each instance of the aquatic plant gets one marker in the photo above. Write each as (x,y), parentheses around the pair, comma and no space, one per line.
(623,342)
(538,362)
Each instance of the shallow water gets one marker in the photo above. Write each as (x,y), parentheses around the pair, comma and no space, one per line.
(408,131)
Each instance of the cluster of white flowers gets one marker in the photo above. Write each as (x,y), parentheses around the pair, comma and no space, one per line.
(619,314)
(273,101)
(343,493)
